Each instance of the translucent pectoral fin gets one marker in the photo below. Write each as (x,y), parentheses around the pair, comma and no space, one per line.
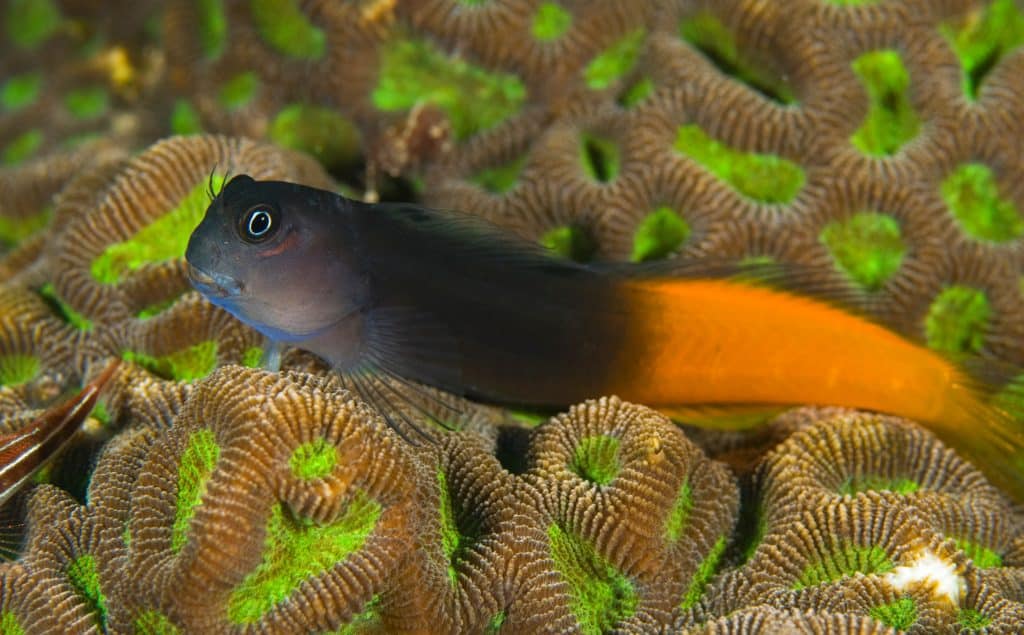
(271,358)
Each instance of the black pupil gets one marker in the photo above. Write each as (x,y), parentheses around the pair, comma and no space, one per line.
(259,222)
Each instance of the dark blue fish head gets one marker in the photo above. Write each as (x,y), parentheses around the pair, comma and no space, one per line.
(279,256)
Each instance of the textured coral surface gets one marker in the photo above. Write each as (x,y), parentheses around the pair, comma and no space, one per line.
(880,142)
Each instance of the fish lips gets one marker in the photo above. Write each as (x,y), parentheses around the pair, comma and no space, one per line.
(213,285)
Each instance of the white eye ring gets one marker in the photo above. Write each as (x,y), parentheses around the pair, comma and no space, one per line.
(260,222)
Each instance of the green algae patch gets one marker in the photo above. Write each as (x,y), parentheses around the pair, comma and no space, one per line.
(528,418)
(155,309)
(845,562)
(901,614)
(891,121)
(752,528)
(287,29)
(660,234)
(313,460)
(296,550)
(85,579)
(550,22)
(366,621)
(87,103)
(495,623)
(415,71)
(212,26)
(982,556)
(872,483)
(44,475)
(679,515)
(22,147)
(252,357)
(17,369)
(972,196)
(163,239)
(596,459)
(972,620)
(450,537)
(184,119)
(62,309)
(765,178)
(9,624)
(957,320)
(79,140)
(188,364)
(570,241)
(194,470)
(14,230)
(706,569)
(867,247)
(29,23)
(458,531)
(238,91)
(502,178)
(636,92)
(100,413)
(601,595)
(324,133)
(983,38)
(599,157)
(154,623)
(20,91)
(613,63)
(717,42)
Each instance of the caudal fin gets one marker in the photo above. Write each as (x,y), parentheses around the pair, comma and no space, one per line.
(988,428)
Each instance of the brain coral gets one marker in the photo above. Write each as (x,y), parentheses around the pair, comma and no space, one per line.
(328,485)
(876,143)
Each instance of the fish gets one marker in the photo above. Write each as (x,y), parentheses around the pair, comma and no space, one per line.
(448,300)
(24,452)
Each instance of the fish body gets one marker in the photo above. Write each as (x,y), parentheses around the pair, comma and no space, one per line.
(461,307)
(451,301)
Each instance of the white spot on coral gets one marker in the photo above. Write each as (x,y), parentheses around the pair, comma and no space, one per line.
(929,568)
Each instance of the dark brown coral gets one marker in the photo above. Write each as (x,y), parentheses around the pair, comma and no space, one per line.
(242,68)
(846,455)
(68,587)
(604,456)
(766,619)
(16,603)
(323,475)
(36,349)
(859,556)
(451,580)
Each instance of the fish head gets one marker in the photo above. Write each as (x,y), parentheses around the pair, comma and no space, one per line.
(278,256)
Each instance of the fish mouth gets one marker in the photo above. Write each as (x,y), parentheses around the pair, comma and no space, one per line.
(213,285)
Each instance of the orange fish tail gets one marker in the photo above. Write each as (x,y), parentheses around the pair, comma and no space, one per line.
(723,342)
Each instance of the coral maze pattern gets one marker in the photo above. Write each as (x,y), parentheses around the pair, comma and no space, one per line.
(880,142)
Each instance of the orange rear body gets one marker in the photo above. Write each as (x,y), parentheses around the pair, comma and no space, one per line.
(710,341)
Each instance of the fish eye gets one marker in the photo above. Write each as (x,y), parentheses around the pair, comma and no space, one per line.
(258,224)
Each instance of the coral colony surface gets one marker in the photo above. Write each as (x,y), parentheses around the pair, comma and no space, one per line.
(879,141)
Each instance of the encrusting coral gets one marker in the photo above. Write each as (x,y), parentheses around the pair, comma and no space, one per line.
(765,619)
(877,143)
(330,488)
(607,455)
(848,453)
